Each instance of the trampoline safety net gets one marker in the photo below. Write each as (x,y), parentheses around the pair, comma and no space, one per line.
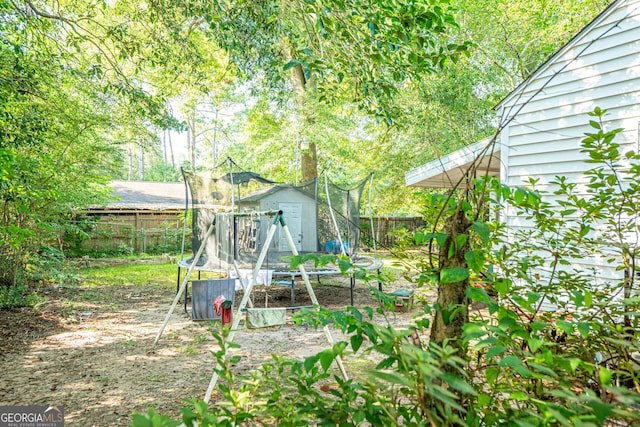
(321,218)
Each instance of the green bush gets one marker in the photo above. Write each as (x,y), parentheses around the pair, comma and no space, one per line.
(18,296)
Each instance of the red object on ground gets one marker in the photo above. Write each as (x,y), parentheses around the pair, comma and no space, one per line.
(227,315)
(225,311)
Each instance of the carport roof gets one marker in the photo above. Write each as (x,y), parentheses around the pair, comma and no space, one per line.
(448,170)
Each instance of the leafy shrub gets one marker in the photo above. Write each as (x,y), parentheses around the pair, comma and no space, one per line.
(18,296)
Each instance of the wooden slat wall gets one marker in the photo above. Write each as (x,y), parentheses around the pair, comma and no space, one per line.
(140,230)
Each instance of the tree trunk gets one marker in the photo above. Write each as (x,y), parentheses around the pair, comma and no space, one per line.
(452,296)
(141,164)
(130,156)
(164,146)
(309,157)
(173,160)
(309,163)
(191,142)
(214,145)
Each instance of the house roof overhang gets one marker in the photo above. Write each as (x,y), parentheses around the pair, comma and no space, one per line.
(449,170)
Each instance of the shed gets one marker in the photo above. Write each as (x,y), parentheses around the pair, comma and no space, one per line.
(300,212)
(544,119)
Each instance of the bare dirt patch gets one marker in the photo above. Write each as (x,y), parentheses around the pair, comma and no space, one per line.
(91,349)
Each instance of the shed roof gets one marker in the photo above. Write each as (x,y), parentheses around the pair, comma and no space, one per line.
(267,191)
(147,195)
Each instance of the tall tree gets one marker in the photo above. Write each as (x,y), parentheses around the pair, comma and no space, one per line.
(316,43)
(74,76)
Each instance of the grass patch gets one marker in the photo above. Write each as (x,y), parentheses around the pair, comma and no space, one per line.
(160,275)
(189,350)
(157,275)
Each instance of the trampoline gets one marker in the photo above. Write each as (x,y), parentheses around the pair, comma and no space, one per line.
(323,218)
(253,232)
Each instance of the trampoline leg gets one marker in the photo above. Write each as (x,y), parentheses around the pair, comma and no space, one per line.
(186,295)
(178,284)
(352,283)
(293,293)
(379,282)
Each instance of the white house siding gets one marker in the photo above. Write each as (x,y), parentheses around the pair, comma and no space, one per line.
(543,127)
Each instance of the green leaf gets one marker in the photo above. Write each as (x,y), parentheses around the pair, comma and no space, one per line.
(344,263)
(458,383)
(461,240)
(310,362)
(588,299)
(559,417)
(539,367)
(509,361)
(475,260)
(565,326)
(484,400)
(605,376)
(574,363)
(477,294)
(356,342)
(519,395)
(482,230)
(584,328)
(502,286)
(601,410)
(441,238)
(326,358)
(391,377)
(359,417)
(491,374)
(534,344)
(522,370)
(473,331)
(291,64)
(453,274)
(495,351)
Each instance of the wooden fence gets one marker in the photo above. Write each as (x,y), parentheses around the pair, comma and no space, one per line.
(130,231)
(140,231)
(387,229)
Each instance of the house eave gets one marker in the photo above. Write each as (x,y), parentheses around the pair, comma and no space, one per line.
(449,170)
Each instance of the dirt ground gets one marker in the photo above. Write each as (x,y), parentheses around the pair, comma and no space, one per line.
(91,349)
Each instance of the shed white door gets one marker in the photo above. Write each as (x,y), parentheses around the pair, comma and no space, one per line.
(293,218)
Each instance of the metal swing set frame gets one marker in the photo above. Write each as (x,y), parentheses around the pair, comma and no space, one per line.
(278,219)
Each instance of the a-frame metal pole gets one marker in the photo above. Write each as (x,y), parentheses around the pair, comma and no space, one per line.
(196,258)
(247,293)
(243,303)
(312,294)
